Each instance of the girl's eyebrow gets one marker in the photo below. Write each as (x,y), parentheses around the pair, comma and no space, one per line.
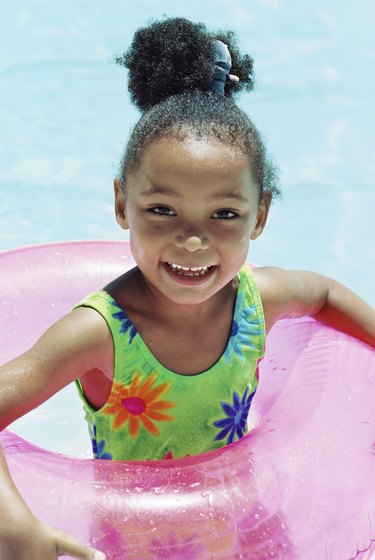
(159,189)
(230,194)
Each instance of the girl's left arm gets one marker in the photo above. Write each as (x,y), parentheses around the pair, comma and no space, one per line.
(291,293)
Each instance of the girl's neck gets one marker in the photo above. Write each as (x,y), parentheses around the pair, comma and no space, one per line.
(169,312)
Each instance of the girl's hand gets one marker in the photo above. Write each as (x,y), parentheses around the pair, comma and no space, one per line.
(39,541)
(24,537)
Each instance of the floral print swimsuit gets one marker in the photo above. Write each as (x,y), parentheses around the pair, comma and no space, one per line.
(154,413)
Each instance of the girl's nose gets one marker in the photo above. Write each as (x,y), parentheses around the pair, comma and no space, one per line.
(192,243)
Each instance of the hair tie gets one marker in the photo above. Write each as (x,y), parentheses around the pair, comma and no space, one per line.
(222,65)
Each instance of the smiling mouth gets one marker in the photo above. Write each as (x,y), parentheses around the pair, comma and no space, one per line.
(189,270)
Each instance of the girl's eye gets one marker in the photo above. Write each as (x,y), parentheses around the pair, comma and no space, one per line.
(162,211)
(225,215)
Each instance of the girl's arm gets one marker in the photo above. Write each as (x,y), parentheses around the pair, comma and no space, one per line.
(23,536)
(73,346)
(289,293)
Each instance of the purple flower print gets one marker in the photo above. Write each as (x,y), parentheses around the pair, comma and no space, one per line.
(234,424)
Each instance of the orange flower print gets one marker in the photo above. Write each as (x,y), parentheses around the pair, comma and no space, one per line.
(139,404)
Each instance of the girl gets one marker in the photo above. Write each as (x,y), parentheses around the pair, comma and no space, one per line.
(166,353)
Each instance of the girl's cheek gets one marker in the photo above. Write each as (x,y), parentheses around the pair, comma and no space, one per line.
(152,230)
(233,232)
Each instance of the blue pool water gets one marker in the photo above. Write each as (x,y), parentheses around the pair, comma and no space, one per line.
(65,116)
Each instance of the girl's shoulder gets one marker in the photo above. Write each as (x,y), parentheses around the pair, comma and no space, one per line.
(78,342)
(289,293)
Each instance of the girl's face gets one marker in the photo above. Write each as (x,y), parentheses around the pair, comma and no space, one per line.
(191,207)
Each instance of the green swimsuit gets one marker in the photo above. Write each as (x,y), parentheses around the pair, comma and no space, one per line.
(154,413)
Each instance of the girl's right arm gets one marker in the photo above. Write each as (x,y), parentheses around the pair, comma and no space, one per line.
(23,536)
(73,346)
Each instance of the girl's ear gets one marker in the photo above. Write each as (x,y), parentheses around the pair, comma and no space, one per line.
(120,203)
(262,215)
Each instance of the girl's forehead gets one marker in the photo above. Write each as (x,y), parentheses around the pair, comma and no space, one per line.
(193,165)
(195,155)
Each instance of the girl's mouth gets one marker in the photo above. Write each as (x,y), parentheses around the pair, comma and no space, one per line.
(189,271)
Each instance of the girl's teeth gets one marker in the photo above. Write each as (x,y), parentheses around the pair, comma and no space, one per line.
(189,270)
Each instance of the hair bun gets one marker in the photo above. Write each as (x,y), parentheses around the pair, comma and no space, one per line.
(168,57)
(175,55)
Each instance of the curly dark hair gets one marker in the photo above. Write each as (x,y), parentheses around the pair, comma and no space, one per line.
(171,65)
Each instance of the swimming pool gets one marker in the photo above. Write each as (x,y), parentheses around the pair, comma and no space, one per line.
(65,116)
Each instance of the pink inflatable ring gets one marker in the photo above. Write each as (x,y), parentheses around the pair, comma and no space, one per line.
(300,485)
